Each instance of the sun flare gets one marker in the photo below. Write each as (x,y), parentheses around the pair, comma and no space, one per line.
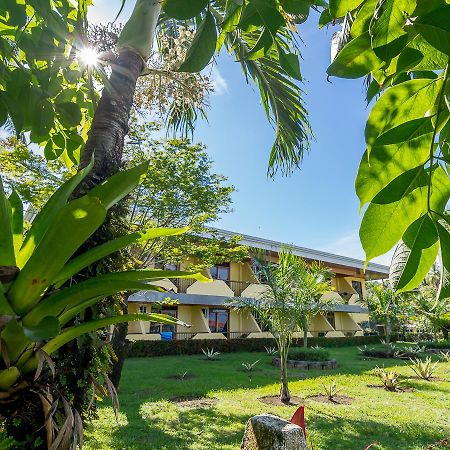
(88,56)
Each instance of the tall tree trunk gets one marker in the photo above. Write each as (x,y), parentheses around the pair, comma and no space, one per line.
(285,396)
(110,124)
(305,333)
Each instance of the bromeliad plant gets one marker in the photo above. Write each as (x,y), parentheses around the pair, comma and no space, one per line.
(210,354)
(38,298)
(424,369)
(389,378)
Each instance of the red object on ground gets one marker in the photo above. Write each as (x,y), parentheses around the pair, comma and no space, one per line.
(299,419)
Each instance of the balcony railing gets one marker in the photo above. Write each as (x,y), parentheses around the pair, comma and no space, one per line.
(237,286)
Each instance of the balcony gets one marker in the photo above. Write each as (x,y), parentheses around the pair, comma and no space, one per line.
(237,287)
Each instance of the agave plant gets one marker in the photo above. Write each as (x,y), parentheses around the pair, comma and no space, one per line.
(248,367)
(445,356)
(331,390)
(423,369)
(272,351)
(38,298)
(210,353)
(389,378)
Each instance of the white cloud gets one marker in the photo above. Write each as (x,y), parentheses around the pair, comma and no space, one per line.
(218,81)
(350,245)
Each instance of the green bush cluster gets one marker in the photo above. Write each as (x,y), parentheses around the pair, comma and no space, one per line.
(435,344)
(194,346)
(308,354)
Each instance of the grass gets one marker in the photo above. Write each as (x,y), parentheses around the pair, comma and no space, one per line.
(149,420)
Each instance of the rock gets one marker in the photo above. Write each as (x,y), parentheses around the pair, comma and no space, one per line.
(268,432)
(301,365)
(315,365)
(276,361)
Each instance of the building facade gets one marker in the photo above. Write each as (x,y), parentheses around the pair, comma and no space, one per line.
(202,305)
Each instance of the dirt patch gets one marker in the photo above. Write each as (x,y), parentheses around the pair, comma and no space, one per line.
(180,377)
(274,400)
(337,399)
(194,401)
(399,389)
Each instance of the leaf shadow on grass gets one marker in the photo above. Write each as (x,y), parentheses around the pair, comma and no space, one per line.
(343,433)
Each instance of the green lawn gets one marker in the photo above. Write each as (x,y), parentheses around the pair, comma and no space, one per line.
(150,421)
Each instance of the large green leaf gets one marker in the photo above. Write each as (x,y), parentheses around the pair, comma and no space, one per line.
(262,46)
(96,253)
(444,238)
(15,340)
(420,55)
(415,255)
(102,285)
(356,59)
(202,47)
(16,219)
(401,103)
(47,328)
(47,214)
(400,149)
(7,255)
(182,9)
(362,20)
(271,18)
(115,188)
(8,377)
(339,8)
(435,28)
(387,27)
(391,212)
(71,333)
(74,223)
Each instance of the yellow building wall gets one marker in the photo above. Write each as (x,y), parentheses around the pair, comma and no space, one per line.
(344,322)
(216,287)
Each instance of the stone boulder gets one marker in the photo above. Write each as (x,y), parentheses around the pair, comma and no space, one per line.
(268,432)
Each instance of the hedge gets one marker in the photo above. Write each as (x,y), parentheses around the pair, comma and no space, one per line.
(194,346)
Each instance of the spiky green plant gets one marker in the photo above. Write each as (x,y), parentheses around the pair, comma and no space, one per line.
(389,378)
(38,298)
(250,366)
(331,390)
(424,369)
(210,354)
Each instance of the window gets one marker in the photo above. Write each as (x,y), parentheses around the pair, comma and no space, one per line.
(221,272)
(205,312)
(218,320)
(143,309)
(357,286)
(163,327)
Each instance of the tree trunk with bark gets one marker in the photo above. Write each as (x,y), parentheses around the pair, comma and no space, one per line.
(388,330)
(285,396)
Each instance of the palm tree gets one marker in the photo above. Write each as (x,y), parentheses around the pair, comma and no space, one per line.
(310,282)
(275,308)
(261,39)
(385,305)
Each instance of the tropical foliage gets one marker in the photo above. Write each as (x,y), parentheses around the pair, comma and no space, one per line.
(402,48)
(38,302)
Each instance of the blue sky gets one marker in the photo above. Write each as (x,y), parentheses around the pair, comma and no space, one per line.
(316,206)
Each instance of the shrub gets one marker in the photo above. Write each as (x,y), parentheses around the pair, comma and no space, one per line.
(424,369)
(308,354)
(435,344)
(194,346)
(389,378)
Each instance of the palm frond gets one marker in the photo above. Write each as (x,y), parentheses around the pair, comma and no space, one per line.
(281,97)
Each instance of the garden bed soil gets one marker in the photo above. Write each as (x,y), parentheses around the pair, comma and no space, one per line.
(194,401)
(274,400)
(307,365)
(415,377)
(337,399)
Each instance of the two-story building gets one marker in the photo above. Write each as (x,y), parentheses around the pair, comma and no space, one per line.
(202,305)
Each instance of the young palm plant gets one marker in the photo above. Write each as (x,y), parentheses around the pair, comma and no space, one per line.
(276,308)
(38,301)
